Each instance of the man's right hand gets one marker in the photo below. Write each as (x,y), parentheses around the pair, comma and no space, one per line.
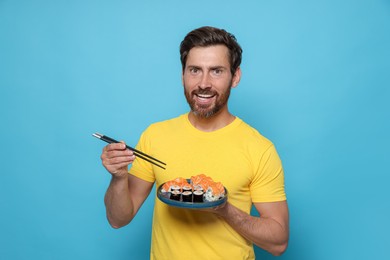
(116,159)
(126,192)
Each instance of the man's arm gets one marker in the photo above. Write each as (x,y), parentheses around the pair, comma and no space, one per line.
(270,231)
(124,197)
(126,193)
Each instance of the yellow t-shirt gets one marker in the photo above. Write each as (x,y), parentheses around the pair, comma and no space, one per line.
(244,161)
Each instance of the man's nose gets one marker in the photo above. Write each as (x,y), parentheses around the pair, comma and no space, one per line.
(205,81)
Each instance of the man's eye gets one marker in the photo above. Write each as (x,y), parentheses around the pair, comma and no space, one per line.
(217,71)
(194,70)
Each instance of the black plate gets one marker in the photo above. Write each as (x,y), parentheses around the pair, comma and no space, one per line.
(165,197)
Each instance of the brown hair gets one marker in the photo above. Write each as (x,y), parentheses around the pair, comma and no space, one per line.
(209,36)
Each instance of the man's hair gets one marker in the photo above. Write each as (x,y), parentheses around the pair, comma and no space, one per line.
(211,36)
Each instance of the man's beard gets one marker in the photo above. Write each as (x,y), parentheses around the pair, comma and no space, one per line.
(207,111)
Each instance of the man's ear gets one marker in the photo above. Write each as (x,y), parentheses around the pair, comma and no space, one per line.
(236,77)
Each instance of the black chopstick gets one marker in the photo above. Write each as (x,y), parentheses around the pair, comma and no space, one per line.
(137,153)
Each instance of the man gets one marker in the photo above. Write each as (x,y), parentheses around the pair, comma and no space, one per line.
(208,140)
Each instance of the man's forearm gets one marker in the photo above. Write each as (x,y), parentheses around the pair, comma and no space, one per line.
(264,232)
(119,208)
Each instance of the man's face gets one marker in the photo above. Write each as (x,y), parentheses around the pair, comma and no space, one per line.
(207,80)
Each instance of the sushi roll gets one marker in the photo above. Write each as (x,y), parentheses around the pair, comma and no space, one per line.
(175,188)
(175,195)
(198,187)
(198,196)
(187,188)
(187,196)
(215,192)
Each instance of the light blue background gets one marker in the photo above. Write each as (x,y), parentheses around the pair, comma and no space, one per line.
(315,81)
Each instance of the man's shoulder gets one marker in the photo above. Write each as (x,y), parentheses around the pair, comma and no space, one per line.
(252,134)
(167,124)
(169,121)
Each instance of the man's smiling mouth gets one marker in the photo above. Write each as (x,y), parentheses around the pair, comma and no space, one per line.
(205,95)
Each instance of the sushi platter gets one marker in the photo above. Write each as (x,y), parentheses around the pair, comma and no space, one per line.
(199,192)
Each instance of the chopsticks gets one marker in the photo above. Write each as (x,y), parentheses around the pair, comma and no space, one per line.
(137,153)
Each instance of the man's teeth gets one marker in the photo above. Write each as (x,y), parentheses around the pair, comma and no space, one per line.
(204,96)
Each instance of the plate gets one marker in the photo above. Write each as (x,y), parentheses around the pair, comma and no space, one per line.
(165,198)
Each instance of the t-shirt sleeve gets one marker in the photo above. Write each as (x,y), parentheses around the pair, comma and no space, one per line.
(268,182)
(141,168)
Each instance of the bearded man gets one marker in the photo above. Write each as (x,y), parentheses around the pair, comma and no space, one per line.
(208,140)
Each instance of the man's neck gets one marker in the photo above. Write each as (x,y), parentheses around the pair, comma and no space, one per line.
(212,123)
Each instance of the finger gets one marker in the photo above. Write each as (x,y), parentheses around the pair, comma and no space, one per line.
(115,164)
(117,168)
(120,159)
(117,153)
(115,146)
